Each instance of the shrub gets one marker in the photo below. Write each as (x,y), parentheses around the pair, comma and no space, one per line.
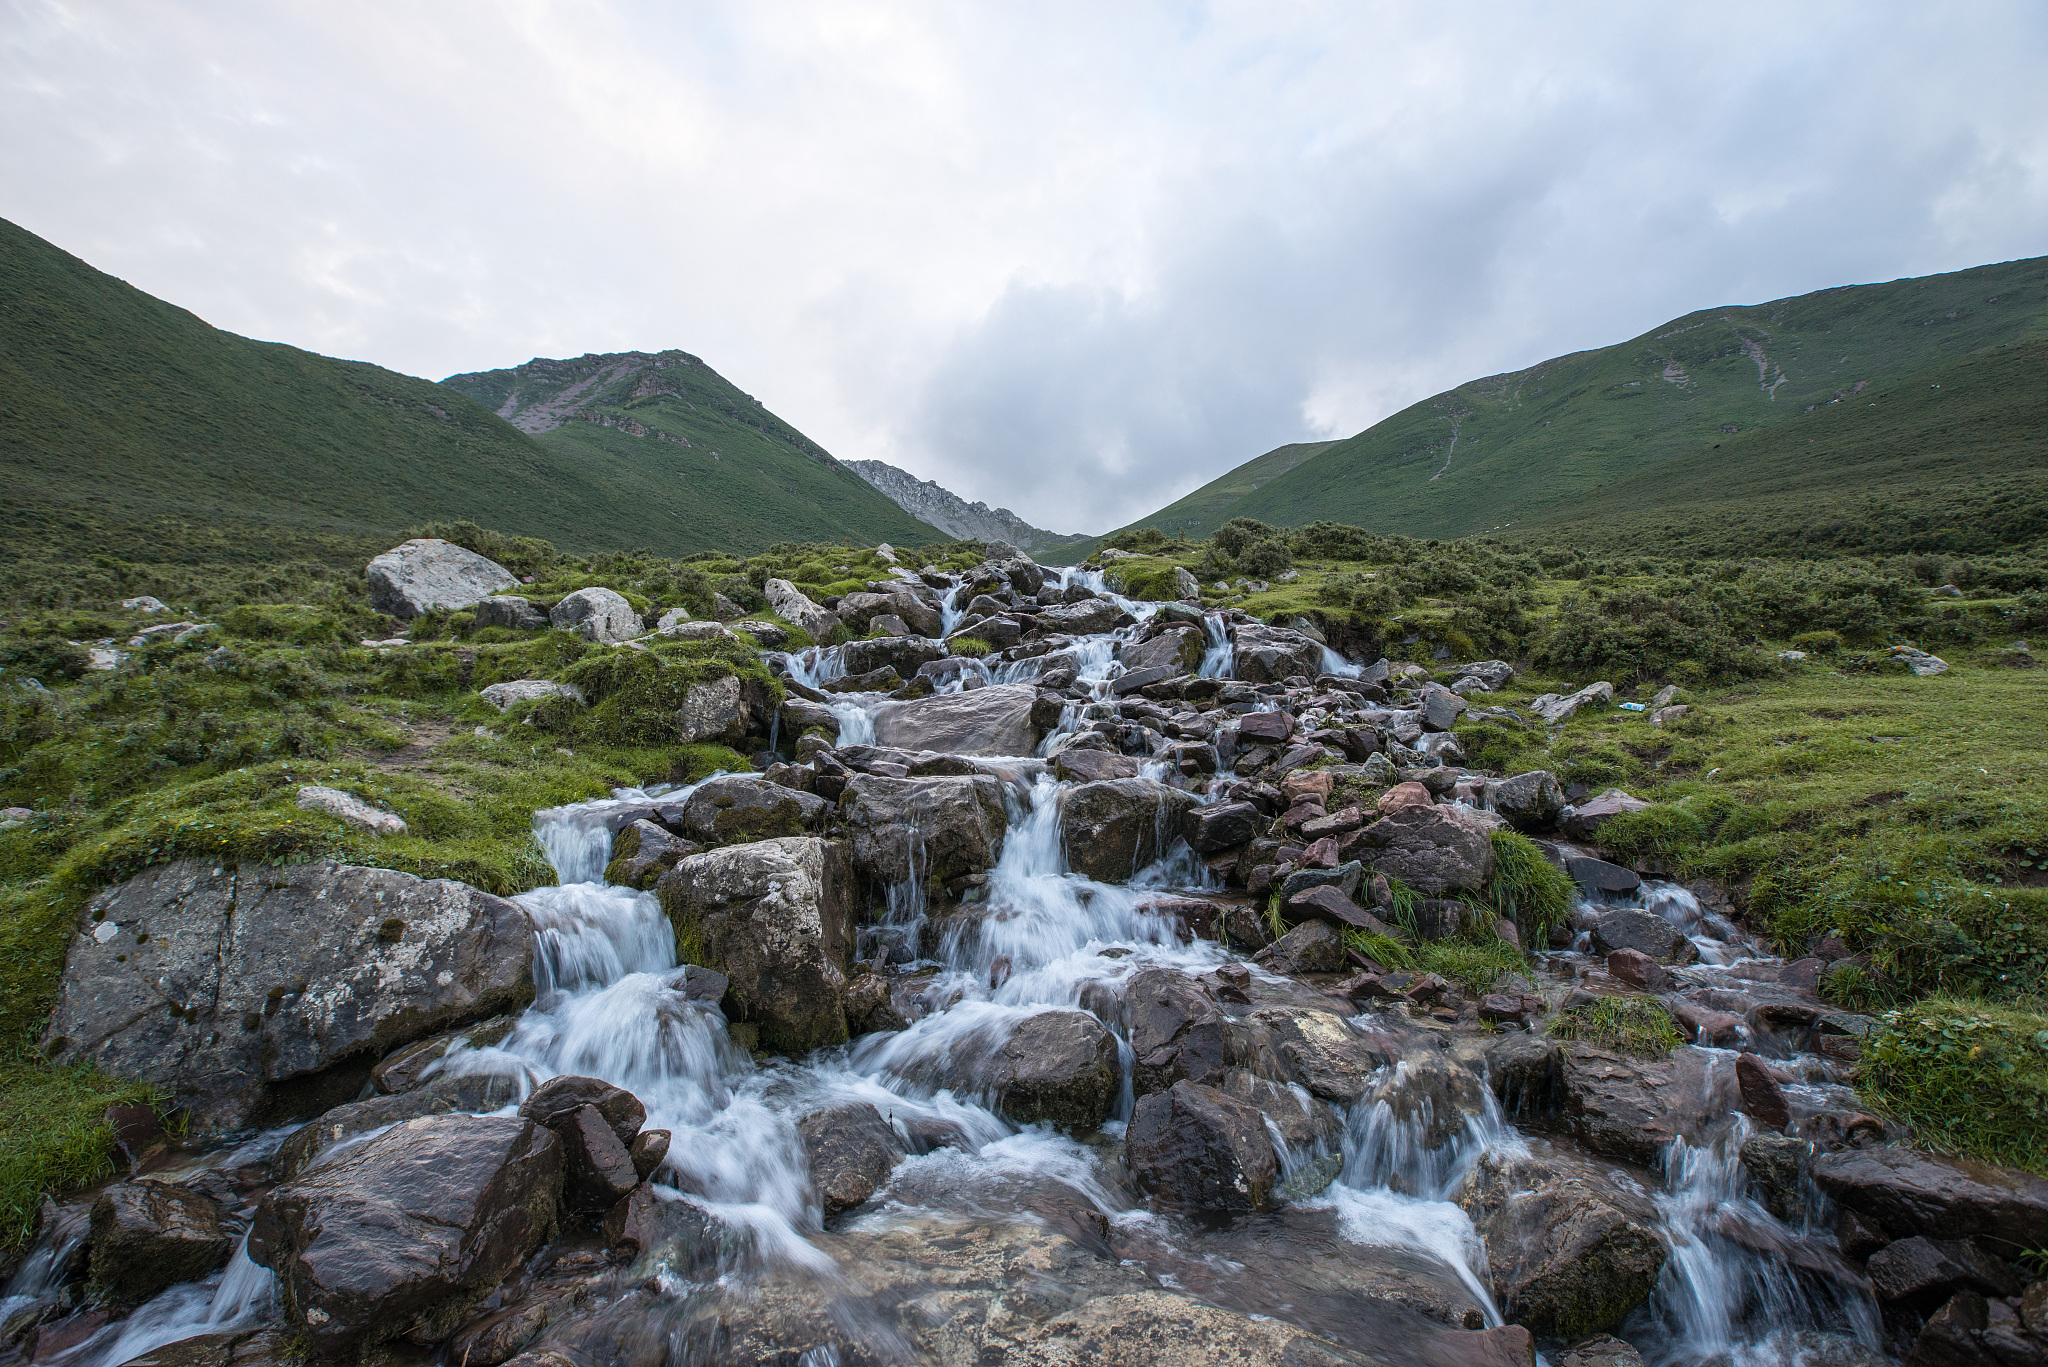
(1969,1078)
(1628,1025)
(1818,642)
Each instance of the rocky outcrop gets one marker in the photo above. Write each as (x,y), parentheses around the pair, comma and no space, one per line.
(423,574)
(792,605)
(1114,828)
(1571,1251)
(776,917)
(982,721)
(398,1235)
(936,828)
(1263,654)
(1429,850)
(224,984)
(1199,1149)
(712,711)
(933,503)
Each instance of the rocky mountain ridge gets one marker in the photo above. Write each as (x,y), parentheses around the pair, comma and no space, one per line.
(929,501)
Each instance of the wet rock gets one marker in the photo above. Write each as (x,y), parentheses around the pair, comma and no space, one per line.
(220,984)
(597,614)
(940,828)
(1089,617)
(997,720)
(1602,1350)
(1175,1031)
(1429,851)
(1178,649)
(851,1150)
(1905,1193)
(1571,1251)
(1198,1149)
(1077,765)
(399,1234)
(1524,1072)
(776,917)
(1322,1051)
(427,573)
(741,807)
(1583,820)
(1597,875)
(1432,1096)
(1625,1107)
(1222,826)
(1263,654)
(1927,1272)
(1530,802)
(1059,1066)
(1311,947)
(556,1103)
(1950,1337)
(147,1236)
(1638,970)
(656,1220)
(438,1096)
(1707,1026)
(1762,1098)
(597,1168)
(1115,828)
(643,851)
(497,1338)
(1777,1165)
(1644,931)
(871,1006)
(906,655)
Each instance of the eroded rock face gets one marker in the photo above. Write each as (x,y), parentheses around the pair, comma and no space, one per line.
(1426,849)
(1114,828)
(938,828)
(221,983)
(1571,1251)
(425,573)
(776,917)
(1264,654)
(396,1236)
(1201,1150)
(983,721)
(150,1235)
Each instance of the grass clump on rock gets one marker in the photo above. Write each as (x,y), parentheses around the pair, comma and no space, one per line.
(1970,1078)
(1637,1026)
(1528,888)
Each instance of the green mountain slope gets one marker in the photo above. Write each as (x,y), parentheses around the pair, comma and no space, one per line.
(130,427)
(717,468)
(1552,441)
(1210,506)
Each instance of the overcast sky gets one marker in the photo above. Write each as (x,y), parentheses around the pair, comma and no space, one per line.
(1075,259)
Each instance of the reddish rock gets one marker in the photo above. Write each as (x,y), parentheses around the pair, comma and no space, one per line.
(1638,970)
(1404,795)
(1272,728)
(1762,1098)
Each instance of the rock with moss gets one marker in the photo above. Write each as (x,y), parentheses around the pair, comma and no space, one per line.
(931,828)
(598,615)
(241,988)
(1571,1252)
(713,711)
(351,809)
(643,851)
(511,691)
(426,573)
(742,807)
(776,917)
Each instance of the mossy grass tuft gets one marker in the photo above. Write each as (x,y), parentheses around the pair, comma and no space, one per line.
(1527,888)
(1638,1026)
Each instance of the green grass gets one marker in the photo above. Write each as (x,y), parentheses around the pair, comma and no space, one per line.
(1638,1026)
(1970,1078)
(122,410)
(1475,965)
(1527,888)
(52,1136)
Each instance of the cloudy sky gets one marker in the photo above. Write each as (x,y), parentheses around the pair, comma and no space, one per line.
(1075,259)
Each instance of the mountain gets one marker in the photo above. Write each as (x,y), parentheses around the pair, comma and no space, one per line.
(954,515)
(1552,443)
(1212,505)
(131,427)
(719,469)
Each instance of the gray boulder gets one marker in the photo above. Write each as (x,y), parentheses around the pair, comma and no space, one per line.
(737,807)
(426,573)
(146,1236)
(776,917)
(1483,676)
(713,711)
(440,1095)
(400,1234)
(1202,1150)
(906,655)
(1114,828)
(510,611)
(792,605)
(1427,849)
(1571,1251)
(1441,708)
(1263,654)
(1089,617)
(937,828)
(1644,931)
(1186,585)
(1057,1066)
(217,983)
(984,721)
(1178,649)
(851,1150)
(1176,1031)
(1555,709)
(503,695)
(1583,821)
(596,614)
(1530,802)
(351,809)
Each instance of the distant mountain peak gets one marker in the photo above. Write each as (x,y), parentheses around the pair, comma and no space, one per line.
(932,502)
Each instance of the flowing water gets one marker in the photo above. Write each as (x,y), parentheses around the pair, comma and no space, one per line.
(611,1004)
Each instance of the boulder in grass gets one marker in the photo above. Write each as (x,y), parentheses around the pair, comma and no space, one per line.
(426,573)
(350,808)
(510,612)
(504,695)
(597,614)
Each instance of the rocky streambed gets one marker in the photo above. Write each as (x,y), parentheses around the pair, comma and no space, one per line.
(1021,1010)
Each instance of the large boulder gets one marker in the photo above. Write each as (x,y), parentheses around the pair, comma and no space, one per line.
(1570,1250)
(904,654)
(1220,826)
(1200,1149)
(1175,1030)
(1263,654)
(713,711)
(511,612)
(1630,1108)
(1644,931)
(1114,828)
(982,721)
(851,1150)
(1904,1192)
(442,1094)
(595,614)
(427,573)
(792,605)
(400,1234)
(1530,802)
(1322,1052)
(146,1236)
(1089,617)
(776,917)
(1429,850)
(1555,709)
(1176,648)
(220,982)
(933,828)
(1058,1066)
(736,807)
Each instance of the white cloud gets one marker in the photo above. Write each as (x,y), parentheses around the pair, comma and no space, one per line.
(1073,259)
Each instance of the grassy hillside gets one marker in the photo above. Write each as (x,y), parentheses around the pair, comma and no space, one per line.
(1556,440)
(1215,503)
(130,427)
(719,469)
